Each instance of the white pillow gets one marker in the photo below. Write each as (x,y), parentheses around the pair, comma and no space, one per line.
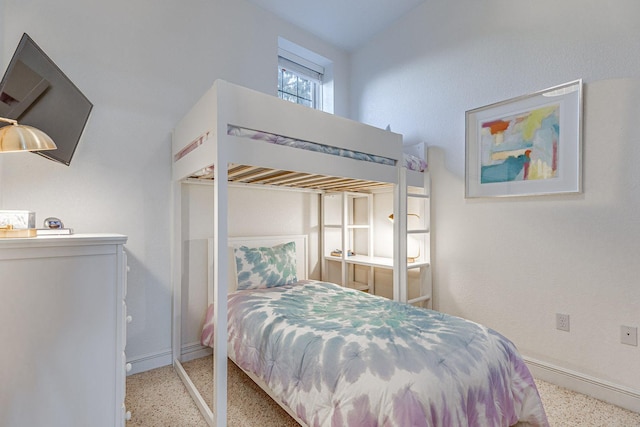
(265,267)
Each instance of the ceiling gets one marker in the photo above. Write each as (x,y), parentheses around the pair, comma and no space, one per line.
(347,24)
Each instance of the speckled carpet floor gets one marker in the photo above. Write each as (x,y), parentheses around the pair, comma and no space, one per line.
(158,398)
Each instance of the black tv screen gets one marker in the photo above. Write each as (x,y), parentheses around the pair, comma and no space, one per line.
(35,92)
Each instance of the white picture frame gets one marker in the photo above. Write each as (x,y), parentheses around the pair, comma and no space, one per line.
(526,146)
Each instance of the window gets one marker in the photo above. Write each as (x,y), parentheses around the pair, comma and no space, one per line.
(304,76)
(300,83)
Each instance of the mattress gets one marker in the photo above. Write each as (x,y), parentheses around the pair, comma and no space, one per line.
(410,162)
(336,356)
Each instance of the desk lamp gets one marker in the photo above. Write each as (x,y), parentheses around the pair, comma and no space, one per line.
(14,138)
(18,137)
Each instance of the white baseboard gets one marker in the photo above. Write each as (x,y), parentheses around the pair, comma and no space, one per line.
(193,351)
(151,361)
(615,394)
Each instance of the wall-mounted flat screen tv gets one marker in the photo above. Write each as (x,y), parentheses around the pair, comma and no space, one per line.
(35,92)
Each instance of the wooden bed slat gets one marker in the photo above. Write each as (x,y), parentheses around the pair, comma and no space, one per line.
(255,175)
(265,176)
(277,178)
(236,170)
(312,180)
(294,179)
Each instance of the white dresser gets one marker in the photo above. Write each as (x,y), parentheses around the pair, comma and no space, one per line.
(63,331)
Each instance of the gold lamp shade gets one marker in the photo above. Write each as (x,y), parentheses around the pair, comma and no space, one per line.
(18,137)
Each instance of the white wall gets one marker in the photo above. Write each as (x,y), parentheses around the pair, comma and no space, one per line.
(512,264)
(143,66)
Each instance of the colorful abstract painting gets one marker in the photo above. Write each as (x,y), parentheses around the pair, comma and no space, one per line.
(530,145)
(520,147)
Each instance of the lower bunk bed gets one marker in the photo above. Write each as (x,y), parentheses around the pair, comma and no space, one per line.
(334,356)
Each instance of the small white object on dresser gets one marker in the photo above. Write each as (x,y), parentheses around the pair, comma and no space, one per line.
(63,322)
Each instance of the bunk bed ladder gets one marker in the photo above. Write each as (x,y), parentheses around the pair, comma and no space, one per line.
(419,234)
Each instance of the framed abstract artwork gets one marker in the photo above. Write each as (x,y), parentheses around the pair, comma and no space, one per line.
(526,146)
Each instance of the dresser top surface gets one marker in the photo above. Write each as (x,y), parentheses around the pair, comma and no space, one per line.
(63,240)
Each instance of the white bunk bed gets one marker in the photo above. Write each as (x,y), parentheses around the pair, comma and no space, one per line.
(206,144)
(203,142)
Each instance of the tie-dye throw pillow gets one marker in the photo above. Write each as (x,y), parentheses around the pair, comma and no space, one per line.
(266,267)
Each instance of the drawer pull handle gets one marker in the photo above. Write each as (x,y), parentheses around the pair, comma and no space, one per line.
(129,319)
(127,416)
(128,367)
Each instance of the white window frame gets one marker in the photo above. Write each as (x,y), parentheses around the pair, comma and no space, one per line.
(304,69)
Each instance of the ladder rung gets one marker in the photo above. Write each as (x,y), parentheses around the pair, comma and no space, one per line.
(419,299)
(418,231)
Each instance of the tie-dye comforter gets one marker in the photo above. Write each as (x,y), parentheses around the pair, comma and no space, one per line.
(339,357)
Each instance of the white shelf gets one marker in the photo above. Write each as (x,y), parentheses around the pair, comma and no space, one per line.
(372,261)
(354,217)
(418,195)
(419,299)
(358,286)
(418,231)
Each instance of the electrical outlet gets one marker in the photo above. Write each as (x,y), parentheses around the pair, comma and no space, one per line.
(629,335)
(562,322)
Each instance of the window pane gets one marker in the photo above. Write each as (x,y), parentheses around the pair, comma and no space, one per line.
(296,88)
(304,88)
(301,81)
(288,97)
(306,102)
(289,82)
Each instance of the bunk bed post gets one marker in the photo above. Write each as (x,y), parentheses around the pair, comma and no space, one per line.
(176,272)
(426,274)
(220,280)
(345,240)
(370,278)
(321,258)
(220,271)
(399,236)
